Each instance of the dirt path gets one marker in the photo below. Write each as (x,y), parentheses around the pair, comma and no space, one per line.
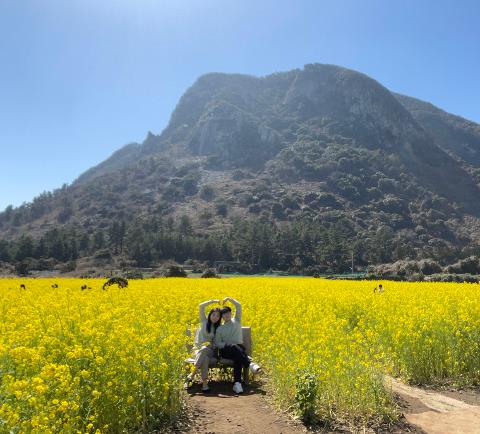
(425,411)
(222,411)
(437,413)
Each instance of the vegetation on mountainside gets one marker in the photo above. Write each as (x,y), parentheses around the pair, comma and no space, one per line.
(324,153)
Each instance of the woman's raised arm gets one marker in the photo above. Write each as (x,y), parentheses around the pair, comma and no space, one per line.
(201,309)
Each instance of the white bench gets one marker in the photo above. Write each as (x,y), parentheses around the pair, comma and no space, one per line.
(217,363)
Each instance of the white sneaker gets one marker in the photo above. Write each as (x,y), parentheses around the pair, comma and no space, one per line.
(188,382)
(237,387)
(254,368)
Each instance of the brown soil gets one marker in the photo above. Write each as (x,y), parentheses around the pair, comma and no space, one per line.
(469,396)
(409,404)
(222,411)
(465,421)
(425,411)
(430,398)
(439,411)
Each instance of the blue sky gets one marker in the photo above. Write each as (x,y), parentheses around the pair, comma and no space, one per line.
(81,78)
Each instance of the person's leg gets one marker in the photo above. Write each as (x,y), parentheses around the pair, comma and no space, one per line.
(205,365)
(234,353)
(246,363)
(202,361)
(243,355)
(200,355)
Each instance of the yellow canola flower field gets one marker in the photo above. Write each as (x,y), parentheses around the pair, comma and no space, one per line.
(95,361)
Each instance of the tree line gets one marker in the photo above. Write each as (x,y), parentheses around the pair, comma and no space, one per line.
(299,246)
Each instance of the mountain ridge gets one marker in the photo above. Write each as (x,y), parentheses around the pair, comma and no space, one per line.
(153,142)
(323,142)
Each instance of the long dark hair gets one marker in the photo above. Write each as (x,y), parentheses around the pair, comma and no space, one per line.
(209,320)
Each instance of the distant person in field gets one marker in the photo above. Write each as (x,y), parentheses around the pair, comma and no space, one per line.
(229,340)
(379,289)
(204,347)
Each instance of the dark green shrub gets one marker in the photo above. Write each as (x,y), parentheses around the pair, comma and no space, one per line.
(306,395)
(209,273)
(175,271)
(207,192)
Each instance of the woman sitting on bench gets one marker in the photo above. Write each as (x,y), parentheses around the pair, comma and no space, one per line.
(229,339)
(204,348)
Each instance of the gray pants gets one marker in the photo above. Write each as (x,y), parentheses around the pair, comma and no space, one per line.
(202,360)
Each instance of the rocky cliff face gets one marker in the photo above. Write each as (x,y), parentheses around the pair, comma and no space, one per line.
(454,134)
(321,142)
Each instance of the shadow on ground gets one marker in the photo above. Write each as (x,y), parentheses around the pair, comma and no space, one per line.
(224,389)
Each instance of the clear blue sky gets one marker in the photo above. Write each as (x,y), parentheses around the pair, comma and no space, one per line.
(81,78)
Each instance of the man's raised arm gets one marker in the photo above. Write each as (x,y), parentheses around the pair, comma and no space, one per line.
(238,308)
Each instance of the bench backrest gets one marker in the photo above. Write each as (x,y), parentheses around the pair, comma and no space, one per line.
(246,335)
(247,339)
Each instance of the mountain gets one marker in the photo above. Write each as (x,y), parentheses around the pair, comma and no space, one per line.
(322,143)
(456,135)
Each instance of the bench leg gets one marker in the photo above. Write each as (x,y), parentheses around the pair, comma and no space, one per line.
(246,373)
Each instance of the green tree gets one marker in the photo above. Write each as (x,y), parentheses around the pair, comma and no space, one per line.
(5,254)
(25,248)
(99,240)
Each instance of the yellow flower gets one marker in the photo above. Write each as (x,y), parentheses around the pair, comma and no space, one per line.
(331,340)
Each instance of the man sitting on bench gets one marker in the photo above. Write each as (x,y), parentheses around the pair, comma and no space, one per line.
(229,340)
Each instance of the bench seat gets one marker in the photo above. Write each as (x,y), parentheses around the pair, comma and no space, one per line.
(215,362)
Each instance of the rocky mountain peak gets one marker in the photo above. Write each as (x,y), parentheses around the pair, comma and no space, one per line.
(322,142)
